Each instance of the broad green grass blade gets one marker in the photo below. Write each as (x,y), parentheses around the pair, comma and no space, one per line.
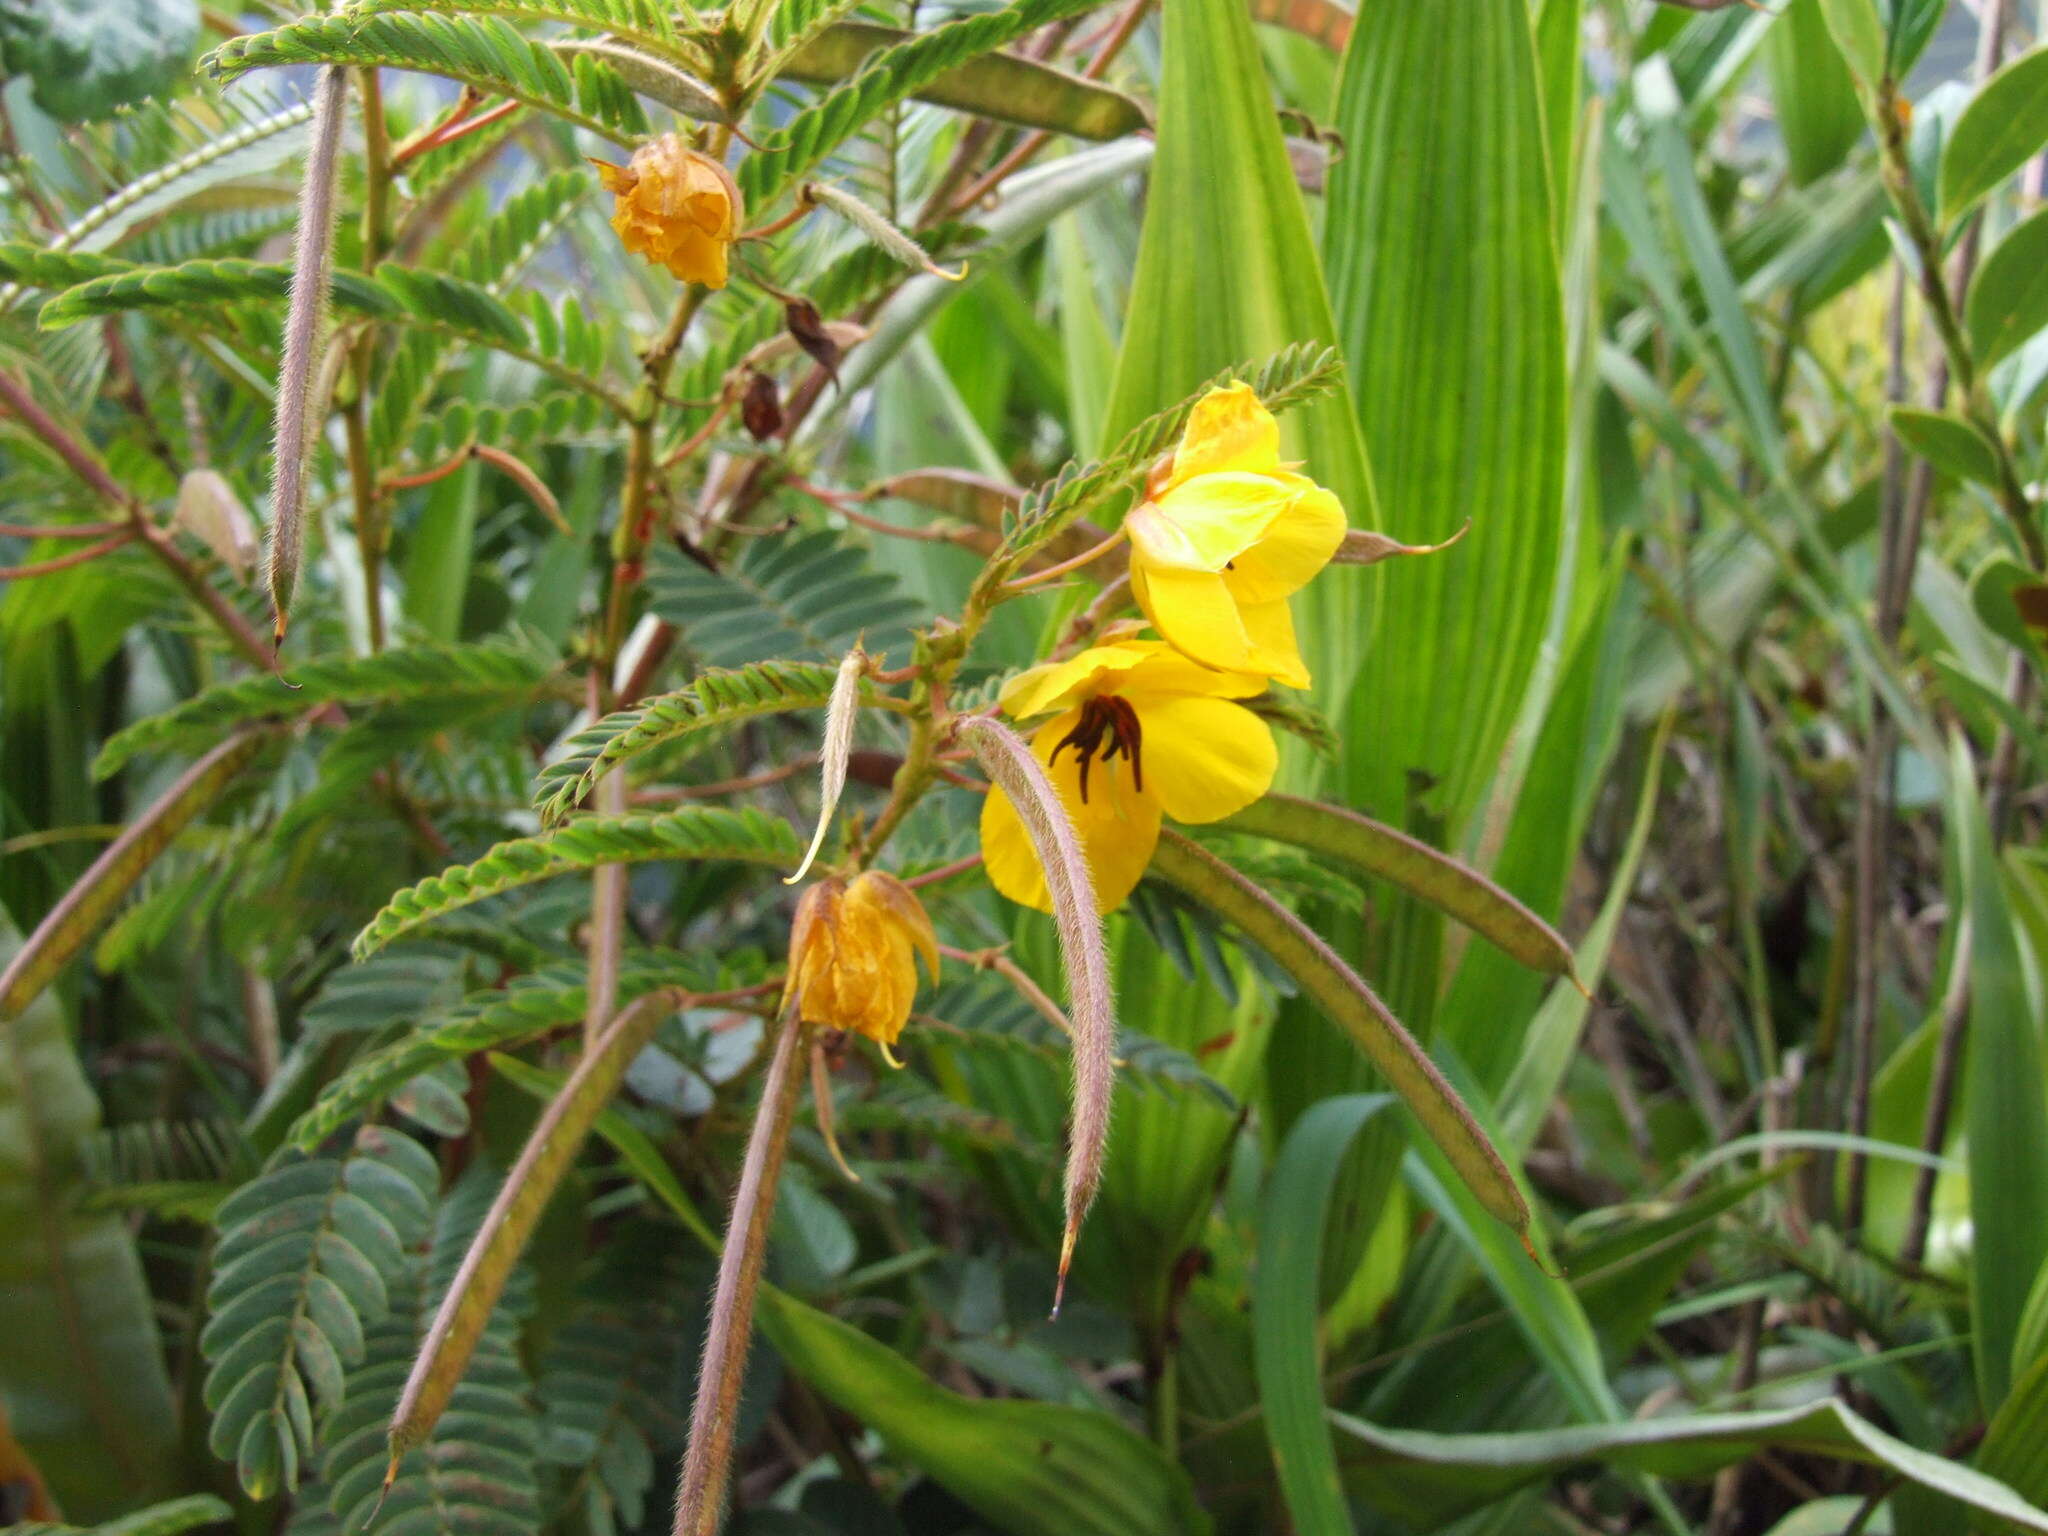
(1443,272)
(2007,1114)
(83,1371)
(1285,1304)
(1818,113)
(1227,270)
(1428,1479)
(1036,1469)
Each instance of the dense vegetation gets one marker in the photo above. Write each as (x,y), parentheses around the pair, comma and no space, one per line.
(1537,1024)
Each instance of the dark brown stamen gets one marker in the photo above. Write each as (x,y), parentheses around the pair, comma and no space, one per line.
(1106,717)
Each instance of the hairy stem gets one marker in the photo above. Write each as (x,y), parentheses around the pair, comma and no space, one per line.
(707,1463)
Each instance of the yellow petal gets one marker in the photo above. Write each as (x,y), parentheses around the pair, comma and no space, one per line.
(900,902)
(1167,671)
(1204,523)
(1228,429)
(1295,546)
(1196,613)
(1206,758)
(1118,827)
(1270,627)
(1062,684)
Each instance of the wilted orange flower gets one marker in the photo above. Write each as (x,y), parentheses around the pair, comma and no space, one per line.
(678,208)
(852,956)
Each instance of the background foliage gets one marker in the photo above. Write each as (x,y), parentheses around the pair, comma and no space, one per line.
(1721,336)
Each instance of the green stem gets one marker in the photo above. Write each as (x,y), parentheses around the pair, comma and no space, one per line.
(1942,311)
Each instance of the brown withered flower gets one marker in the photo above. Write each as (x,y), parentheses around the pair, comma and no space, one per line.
(853,956)
(678,208)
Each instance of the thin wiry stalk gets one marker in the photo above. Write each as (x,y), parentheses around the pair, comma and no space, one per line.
(1904,516)
(304,335)
(1010,764)
(707,1462)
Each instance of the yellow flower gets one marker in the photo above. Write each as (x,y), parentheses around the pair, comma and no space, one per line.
(1137,731)
(852,956)
(1225,535)
(679,209)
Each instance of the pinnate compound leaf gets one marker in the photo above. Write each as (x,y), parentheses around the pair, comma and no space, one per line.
(809,597)
(717,698)
(692,832)
(492,669)
(486,52)
(996,85)
(884,80)
(308,1252)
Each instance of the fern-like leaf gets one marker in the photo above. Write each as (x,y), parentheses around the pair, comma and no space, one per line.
(692,832)
(481,51)
(506,670)
(809,597)
(307,1254)
(525,1009)
(715,699)
(645,23)
(887,78)
(201,284)
(476,1473)
(602,1382)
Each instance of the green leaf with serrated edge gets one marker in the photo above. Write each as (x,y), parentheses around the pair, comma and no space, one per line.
(1286,1302)
(2005,1108)
(2008,301)
(1946,441)
(1035,1469)
(1001,86)
(887,78)
(93,897)
(2004,126)
(717,698)
(1353,1007)
(1431,1479)
(406,674)
(1455,889)
(481,51)
(692,832)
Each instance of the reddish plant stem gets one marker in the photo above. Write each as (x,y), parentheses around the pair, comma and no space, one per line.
(65,562)
(60,530)
(707,1464)
(15,397)
(1028,147)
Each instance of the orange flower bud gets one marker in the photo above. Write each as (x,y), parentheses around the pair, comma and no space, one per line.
(853,955)
(678,208)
